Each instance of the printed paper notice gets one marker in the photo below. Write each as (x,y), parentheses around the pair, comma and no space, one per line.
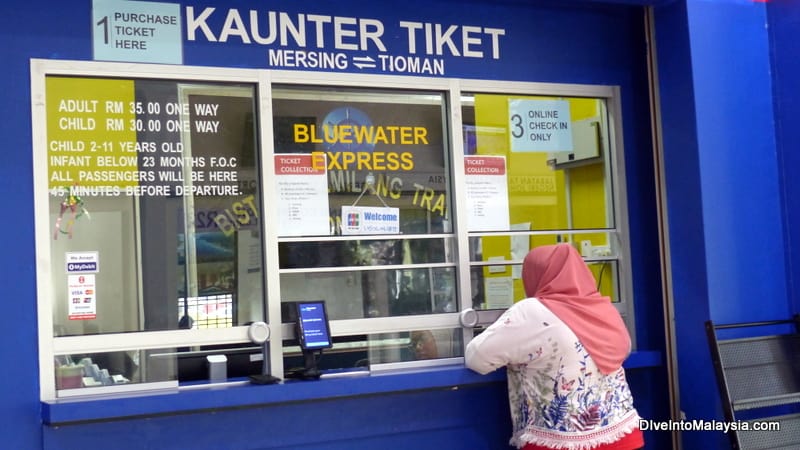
(301,181)
(520,245)
(487,193)
(539,125)
(82,297)
(499,292)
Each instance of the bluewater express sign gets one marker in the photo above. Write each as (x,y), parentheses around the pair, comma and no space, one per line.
(272,35)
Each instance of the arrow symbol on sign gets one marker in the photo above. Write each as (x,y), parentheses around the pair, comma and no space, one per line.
(363,61)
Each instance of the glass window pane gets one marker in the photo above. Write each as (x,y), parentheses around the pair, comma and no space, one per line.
(380,149)
(382,348)
(105,369)
(493,288)
(384,157)
(554,155)
(362,252)
(538,172)
(375,293)
(153,199)
(191,364)
(417,345)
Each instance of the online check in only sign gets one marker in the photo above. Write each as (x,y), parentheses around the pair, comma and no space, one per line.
(137,31)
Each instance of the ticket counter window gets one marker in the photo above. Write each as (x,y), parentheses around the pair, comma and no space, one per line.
(539,170)
(155,219)
(165,225)
(362,179)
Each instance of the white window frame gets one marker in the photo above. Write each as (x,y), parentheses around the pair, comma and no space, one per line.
(50,345)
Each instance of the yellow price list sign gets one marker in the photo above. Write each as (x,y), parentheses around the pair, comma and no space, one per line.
(91,126)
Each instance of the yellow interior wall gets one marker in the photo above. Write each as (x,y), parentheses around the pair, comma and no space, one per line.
(96,141)
(536,192)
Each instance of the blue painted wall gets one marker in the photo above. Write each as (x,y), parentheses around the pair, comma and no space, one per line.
(739,181)
(784,28)
(724,194)
(684,209)
(556,41)
(19,408)
(476,418)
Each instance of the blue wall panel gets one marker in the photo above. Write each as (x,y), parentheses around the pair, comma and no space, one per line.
(725,217)
(32,36)
(476,417)
(784,27)
(685,220)
(736,135)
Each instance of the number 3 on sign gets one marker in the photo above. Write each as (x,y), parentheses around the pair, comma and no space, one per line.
(539,125)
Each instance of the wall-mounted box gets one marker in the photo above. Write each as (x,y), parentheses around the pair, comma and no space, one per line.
(586,145)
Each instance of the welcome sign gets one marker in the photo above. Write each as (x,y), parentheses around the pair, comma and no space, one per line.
(370,220)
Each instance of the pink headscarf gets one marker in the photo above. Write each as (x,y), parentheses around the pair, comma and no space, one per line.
(559,278)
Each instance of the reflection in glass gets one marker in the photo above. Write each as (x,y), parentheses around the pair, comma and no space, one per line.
(375,293)
(557,184)
(417,345)
(362,252)
(386,159)
(170,210)
(383,348)
(191,363)
(89,370)
(383,148)
(555,180)
(492,287)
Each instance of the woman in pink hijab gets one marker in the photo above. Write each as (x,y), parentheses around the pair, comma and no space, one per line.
(563,348)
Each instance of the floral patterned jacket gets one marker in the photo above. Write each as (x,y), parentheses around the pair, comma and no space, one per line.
(558,397)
